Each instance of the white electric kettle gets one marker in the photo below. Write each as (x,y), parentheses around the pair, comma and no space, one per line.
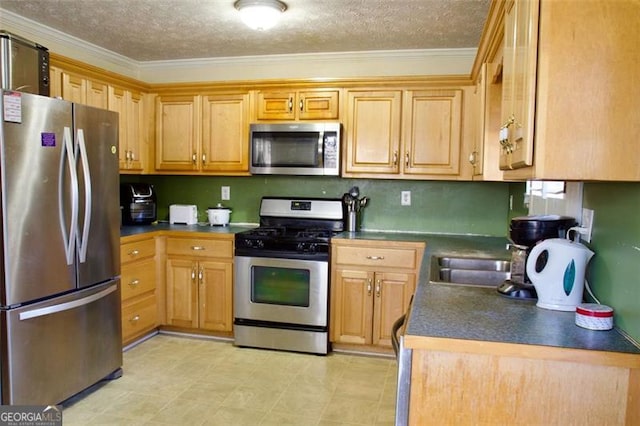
(560,283)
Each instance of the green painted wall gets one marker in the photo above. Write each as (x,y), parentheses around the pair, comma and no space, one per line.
(442,207)
(614,272)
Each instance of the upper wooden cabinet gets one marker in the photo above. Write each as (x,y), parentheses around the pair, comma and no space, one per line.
(103,90)
(372,132)
(76,88)
(519,83)
(203,133)
(484,156)
(132,137)
(312,104)
(570,90)
(403,134)
(225,133)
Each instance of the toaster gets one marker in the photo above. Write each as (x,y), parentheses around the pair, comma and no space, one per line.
(183,213)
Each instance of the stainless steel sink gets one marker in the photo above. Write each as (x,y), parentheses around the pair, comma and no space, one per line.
(475,271)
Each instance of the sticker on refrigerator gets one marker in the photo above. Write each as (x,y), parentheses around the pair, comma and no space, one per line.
(12,107)
(48,139)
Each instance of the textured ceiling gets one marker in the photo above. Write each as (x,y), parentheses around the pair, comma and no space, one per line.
(146,30)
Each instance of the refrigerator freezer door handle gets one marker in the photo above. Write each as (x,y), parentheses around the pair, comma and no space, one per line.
(82,239)
(40,312)
(68,238)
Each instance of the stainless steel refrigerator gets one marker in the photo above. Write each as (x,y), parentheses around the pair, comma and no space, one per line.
(60,329)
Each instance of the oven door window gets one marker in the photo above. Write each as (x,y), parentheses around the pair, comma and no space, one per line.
(280,286)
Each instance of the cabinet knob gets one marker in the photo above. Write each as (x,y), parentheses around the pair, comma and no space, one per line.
(378,288)
(369,287)
(375,257)
(134,282)
(204,158)
(134,253)
(194,158)
(301,105)
(197,248)
(395,158)
(135,318)
(290,104)
(406,159)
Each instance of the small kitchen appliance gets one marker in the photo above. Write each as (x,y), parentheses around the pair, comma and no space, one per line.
(186,214)
(281,270)
(138,203)
(559,281)
(24,65)
(295,149)
(218,215)
(525,232)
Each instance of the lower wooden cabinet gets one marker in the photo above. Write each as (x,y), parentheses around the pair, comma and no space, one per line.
(371,286)
(199,283)
(138,287)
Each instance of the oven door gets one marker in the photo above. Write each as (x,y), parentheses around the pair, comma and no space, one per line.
(285,291)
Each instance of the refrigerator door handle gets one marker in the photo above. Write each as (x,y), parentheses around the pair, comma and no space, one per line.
(68,237)
(83,239)
(40,312)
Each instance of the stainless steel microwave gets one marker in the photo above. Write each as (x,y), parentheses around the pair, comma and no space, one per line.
(295,149)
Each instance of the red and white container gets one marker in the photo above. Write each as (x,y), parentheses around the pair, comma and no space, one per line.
(594,317)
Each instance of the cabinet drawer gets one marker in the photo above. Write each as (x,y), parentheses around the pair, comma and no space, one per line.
(139,316)
(200,247)
(138,278)
(130,252)
(372,256)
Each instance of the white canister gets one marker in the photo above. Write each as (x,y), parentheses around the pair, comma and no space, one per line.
(594,316)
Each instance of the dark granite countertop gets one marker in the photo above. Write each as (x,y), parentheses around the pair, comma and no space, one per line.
(127,231)
(480,313)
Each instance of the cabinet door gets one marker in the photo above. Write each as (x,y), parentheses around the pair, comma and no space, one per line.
(318,105)
(432,132)
(352,295)
(373,132)
(177,132)
(225,133)
(215,296)
(118,103)
(182,294)
(74,88)
(392,296)
(519,84)
(135,131)
(276,105)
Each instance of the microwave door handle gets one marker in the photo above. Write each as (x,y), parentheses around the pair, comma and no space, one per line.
(321,146)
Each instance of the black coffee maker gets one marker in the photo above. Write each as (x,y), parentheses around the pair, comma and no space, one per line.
(524,233)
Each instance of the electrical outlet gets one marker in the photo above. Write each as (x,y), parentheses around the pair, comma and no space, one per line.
(225,193)
(587,224)
(405,198)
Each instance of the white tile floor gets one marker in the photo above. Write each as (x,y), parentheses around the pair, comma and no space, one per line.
(187,381)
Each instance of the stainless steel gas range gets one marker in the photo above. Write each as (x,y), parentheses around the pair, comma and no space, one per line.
(281,286)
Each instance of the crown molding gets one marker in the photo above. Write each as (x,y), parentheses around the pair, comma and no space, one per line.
(306,65)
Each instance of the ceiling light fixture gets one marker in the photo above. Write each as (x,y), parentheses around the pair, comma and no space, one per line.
(260,14)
